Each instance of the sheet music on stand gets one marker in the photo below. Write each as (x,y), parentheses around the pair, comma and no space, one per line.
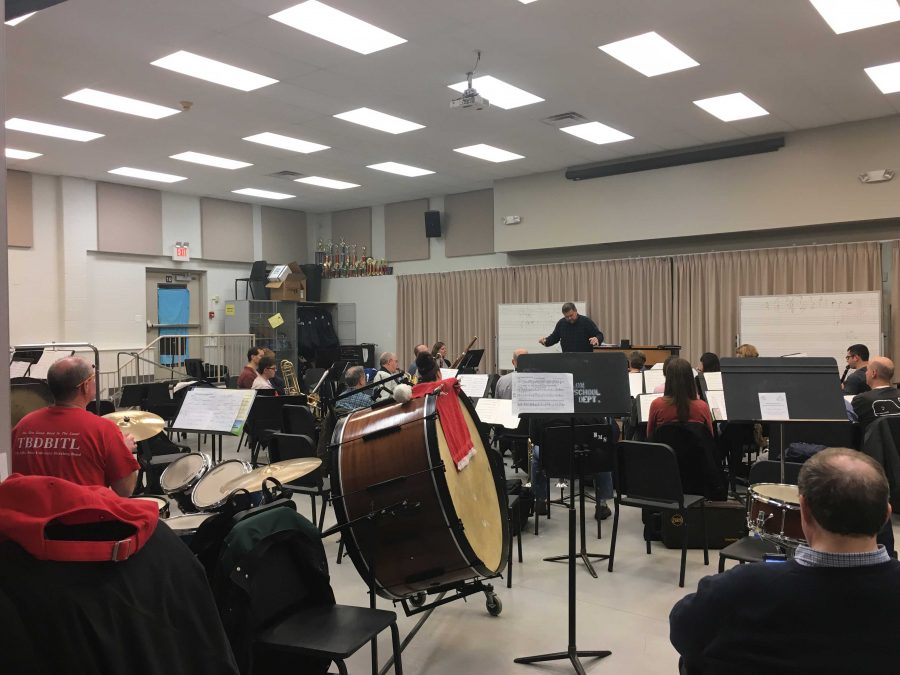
(473,386)
(636,382)
(543,393)
(220,410)
(447,373)
(716,401)
(497,411)
(18,369)
(652,379)
(713,381)
(644,408)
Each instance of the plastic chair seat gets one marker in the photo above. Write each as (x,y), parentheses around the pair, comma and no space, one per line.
(746,550)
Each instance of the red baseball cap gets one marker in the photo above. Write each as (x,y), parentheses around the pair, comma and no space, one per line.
(29,504)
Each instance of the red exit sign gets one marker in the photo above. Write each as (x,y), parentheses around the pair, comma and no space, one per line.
(181,253)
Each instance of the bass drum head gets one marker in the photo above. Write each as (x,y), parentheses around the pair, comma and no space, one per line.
(473,492)
(207,494)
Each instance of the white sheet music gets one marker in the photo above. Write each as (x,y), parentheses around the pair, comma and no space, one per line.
(636,382)
(646,400)
(18,368)
(773,406)
(473,386)
(716,400)
(849,397)
(497,411)
(543,393)
(214,409)
(653,378)
(447,373)
(713,381)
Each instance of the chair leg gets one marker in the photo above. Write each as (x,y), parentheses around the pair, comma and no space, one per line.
(612,544)
(322,512)
(509,564)
(312,498)
(684,540)
(342,667)
(721,563)
(705,538)
(519,544)
(340,551)
(395,643)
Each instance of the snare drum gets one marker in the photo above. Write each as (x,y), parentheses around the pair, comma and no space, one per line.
(207,494)
(774,513)
(181,476)
(186,526)
(456,528)
(161,502)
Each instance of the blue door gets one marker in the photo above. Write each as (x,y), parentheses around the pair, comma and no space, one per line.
(173,307)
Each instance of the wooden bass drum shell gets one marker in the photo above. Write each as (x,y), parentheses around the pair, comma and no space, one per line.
(383,456)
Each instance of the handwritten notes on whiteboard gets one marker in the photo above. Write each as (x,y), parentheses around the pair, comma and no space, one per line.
(543,393)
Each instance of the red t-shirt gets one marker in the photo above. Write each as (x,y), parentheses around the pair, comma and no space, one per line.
(663,412)
(71,443)
(245,379)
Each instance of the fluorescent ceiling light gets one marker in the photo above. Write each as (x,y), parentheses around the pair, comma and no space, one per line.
(848,15)
(203,68)
(123,104)
(43,129)
(731,107)
(527,2)
(379,120)
(499,93)
(488,152)
(326,182)
(598,133)
(401,169)
(286,142)
(20,19)
(650,54)
(210,160)
(333,25)
(12,153)
(265,194)
(886,77)
(147,175)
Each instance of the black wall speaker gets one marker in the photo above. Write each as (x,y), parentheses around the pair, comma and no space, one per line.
(432,223)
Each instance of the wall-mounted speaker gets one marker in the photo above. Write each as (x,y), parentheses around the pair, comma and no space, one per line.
(432,224)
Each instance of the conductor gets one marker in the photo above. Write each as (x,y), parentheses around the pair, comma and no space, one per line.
(576,333)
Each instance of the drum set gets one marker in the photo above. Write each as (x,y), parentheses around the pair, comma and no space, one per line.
(773,514)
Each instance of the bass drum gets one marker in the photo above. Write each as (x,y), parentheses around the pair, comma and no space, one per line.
(459,530)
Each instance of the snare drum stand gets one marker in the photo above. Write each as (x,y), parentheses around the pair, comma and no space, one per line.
(572,652)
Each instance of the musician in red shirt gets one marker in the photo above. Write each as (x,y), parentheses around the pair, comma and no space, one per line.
(67,441)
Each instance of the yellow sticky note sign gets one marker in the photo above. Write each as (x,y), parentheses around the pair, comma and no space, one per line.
(276,320)
(229,309)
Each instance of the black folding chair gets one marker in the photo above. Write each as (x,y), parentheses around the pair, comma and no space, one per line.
(298,419)
(648,477)
(295,446)
(264,420)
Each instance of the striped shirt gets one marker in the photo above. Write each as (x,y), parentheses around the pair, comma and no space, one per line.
(810,557)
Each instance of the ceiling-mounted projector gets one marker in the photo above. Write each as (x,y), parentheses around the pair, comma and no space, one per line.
(471,99)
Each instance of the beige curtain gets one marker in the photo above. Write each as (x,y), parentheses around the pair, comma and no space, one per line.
(626,298)
(894,342)
(707,286)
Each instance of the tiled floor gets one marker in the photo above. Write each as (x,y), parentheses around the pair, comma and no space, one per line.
(625,612)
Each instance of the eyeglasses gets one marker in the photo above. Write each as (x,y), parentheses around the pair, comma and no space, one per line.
(271,368)
(90,377)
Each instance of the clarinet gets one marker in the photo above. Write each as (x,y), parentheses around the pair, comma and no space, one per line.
(844,376)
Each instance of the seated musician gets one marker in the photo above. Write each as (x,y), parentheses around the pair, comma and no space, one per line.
(831,609)
(94,583)
(427,368)
(276,380)
(388,366)
(636,361)
(67,441)
(354,379)
(439,352)
(679,402)
(709,363)
(248,373)
(503,388)
(418,349)
(883,398)
(265,371)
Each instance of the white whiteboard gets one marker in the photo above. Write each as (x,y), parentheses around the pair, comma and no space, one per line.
(817,324)
(522,325)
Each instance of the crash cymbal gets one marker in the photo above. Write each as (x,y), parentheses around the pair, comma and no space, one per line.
(139,423)
(285,471)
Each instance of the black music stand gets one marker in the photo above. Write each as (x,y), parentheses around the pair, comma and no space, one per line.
(810,385)
(600,388)
(470,361)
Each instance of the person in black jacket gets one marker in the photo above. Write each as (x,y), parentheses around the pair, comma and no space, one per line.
(831,609)
(576,333)
(882,399)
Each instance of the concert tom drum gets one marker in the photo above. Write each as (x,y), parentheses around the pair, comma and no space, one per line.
(186,526)
(181,476)
(208,495)
(454,527)
(774,513)
(161,502)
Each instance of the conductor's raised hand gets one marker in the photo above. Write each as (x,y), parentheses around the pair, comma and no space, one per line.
(594,341)
(542,341)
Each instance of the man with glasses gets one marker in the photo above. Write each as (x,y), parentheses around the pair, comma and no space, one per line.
(265,372)
(67,441)
(857,362)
